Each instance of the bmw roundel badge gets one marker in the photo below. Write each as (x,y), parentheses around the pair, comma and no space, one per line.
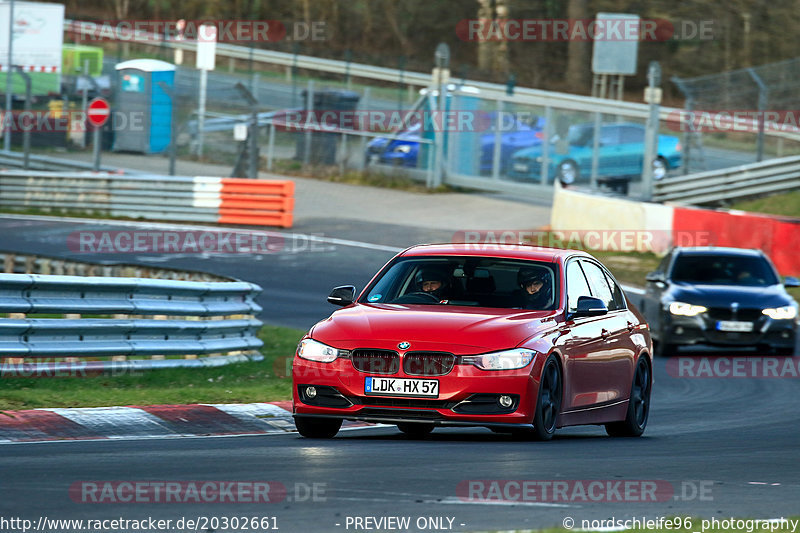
(405,345)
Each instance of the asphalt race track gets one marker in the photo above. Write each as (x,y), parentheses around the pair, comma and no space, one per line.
(715,447)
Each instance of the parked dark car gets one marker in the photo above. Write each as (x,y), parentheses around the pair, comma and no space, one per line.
(403,150)
(721,297)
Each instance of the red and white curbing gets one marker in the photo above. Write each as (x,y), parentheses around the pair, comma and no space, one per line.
(148,422)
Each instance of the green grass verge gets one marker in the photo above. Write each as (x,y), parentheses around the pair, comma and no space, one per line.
(244,382)
(785,204)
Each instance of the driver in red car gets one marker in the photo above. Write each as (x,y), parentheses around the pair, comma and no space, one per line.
(434,282)
(535,288)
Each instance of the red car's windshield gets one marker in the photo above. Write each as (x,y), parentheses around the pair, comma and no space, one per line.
(467,281)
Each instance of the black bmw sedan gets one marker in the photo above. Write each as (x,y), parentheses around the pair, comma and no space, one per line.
(722,297)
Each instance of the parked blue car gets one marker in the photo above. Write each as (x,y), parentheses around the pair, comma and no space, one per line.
(404,149)
(621,154)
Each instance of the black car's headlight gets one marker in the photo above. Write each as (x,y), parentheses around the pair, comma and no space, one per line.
(684,309)
(787,312)
(316,351)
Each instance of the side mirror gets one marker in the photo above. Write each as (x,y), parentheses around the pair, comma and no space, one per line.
(655,277)
(590,306)
(344,295)
(791,281)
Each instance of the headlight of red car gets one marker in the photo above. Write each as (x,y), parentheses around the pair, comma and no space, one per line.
(316,351)
(505,360)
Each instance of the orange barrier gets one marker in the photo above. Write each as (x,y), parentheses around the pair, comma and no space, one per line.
(256,202)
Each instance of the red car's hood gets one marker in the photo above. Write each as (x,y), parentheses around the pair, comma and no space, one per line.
(460,330)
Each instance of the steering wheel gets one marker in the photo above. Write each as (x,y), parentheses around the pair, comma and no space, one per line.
(418,297)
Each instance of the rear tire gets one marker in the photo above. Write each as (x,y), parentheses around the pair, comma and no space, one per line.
(415,430)
(638,404)
(317,428)
(548,402)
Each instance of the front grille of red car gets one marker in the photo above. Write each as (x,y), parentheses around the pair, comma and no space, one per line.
(402,402)
(428,363)
(376,361)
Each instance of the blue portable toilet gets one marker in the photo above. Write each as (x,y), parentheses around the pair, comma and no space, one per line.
(146,123)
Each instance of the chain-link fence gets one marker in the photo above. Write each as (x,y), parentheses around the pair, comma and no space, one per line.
(736,109)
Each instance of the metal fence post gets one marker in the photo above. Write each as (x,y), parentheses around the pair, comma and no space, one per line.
(26,135)
(763,94)
(271,144)
(651,132)
(362,146)
(595,150)
(498,140)
(548,133)
(252,131)
(173,126)
(309,111)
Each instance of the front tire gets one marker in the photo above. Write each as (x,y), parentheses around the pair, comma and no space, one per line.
(317,428)
(548,402)
(415,430)
(638,404)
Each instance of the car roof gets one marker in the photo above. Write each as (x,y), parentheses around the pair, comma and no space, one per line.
(506,251)
(719,250)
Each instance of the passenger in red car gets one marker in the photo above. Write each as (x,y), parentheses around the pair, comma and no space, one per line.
(535,289)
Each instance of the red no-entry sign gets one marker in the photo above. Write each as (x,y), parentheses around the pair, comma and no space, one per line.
(98,112)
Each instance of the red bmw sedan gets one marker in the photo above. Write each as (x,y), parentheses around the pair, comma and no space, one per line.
(510,337)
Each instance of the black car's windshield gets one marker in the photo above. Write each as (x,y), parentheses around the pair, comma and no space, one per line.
(468,281)
(723,270)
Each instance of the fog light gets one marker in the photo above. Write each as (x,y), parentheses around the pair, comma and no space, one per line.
(679,330)
(311,392)
(505,401)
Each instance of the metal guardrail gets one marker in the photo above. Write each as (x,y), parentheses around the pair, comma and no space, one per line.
(133,297)
(717,186)
(42,162)
(153,197)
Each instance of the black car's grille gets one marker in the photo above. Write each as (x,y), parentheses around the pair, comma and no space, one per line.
(726,313)
(376,361)
(732,338)
(428,363)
